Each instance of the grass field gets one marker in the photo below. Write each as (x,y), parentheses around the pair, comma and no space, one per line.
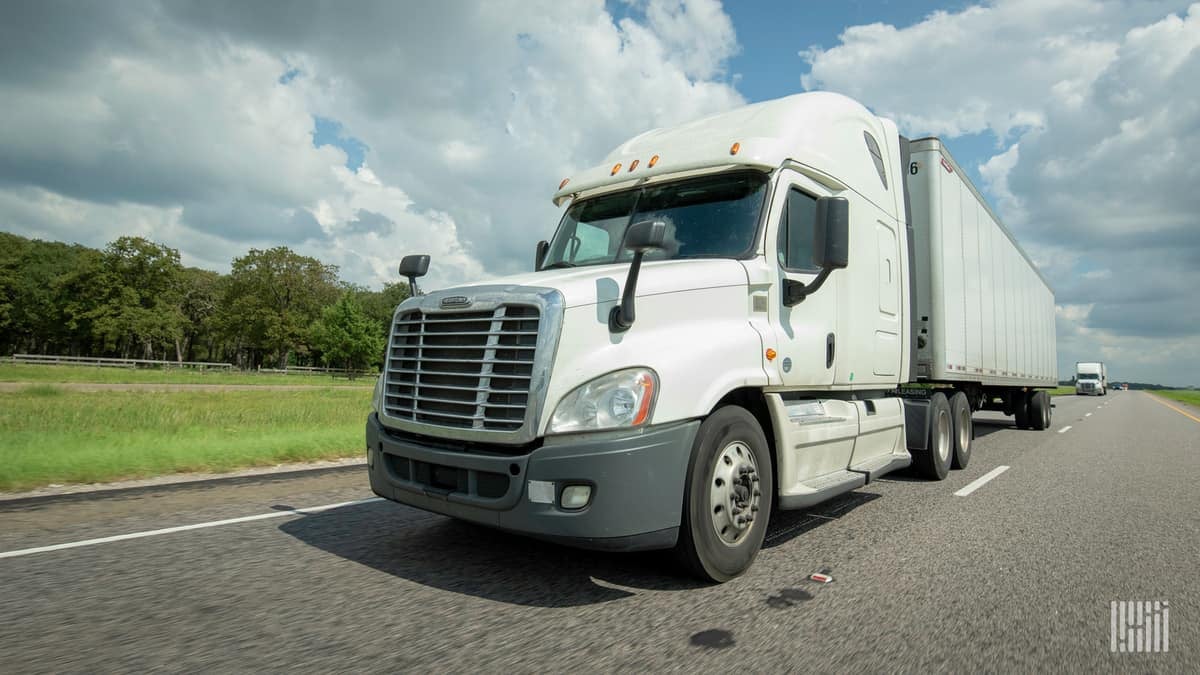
(1062,391)
(1192,397)
(49,435)
(17,372)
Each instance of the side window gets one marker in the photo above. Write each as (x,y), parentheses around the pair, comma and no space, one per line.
(590,243)
(796,232)
(877,157)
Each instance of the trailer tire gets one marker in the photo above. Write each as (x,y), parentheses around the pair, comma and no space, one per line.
(934,461)
(963,431)
(730,468)
(1021,409)
(1039,410)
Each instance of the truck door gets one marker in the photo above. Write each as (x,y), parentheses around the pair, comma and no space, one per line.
(805,333)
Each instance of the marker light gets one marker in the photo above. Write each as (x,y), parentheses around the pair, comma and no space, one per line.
(771,354)
(564,183)
(653,161)
(615,169)
(633,165)
(733,149)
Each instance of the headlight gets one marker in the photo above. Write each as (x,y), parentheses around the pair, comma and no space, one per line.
(377,395)
(613,401)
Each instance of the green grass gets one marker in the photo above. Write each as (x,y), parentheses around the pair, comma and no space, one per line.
(50,435)
(18,372)
(1062,391)
(1191,397)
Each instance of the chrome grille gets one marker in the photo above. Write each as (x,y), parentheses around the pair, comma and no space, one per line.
(467,370)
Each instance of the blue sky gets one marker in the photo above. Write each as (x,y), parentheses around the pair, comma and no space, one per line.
(214,126)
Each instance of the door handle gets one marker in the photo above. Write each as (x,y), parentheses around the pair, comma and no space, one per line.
(830,349)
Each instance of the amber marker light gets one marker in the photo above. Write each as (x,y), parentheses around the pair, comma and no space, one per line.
(564,182)
(643,412)
(633,165)
(733,149)
(615,169)
(771,354)
(653,161)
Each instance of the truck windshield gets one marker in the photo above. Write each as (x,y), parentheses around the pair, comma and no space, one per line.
(1088,376)
(707,217)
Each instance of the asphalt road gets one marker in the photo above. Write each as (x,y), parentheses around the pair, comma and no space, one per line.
(1018,575)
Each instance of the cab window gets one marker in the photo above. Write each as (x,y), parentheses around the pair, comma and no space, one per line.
(796,232)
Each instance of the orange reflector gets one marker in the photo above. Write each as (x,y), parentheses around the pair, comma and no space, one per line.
(733,149)
(653,161)
(633,165)
(616,168)
(564,183)
(771,354)
(647,396)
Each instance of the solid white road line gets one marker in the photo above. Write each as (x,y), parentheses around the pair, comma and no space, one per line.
(1065,429)
(184,528)
(981,481)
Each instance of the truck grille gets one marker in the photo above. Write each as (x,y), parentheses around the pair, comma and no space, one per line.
(467,370)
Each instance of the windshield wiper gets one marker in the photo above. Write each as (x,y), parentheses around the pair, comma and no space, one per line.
(558,265)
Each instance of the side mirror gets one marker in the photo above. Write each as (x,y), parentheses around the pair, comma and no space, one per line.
(413,266)
(831,238)
(539,256)
(647,235)
(831,247)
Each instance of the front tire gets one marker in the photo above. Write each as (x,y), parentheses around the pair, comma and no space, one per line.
(728,496)
(934,461)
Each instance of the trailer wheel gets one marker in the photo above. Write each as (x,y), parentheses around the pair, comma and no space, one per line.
(1021,409)
(964,430)
(1039,410)
(934,461)
(727,497)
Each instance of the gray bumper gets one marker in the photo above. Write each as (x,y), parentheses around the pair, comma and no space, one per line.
(637,481)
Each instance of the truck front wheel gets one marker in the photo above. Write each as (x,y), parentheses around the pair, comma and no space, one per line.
(727,497)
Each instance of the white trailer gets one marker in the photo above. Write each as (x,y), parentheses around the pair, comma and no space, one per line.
(764,308)
(1091,378)
(984,313)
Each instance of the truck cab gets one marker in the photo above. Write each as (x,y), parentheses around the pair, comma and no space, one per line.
(714,330)
(1090,379)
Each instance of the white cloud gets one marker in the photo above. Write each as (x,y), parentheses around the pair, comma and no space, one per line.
(471,113)
(1097,119)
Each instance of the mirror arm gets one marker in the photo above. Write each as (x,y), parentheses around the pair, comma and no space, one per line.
(413,291)
(797,291)
(622,316)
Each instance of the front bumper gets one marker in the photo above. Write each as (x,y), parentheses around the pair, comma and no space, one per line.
(637,480)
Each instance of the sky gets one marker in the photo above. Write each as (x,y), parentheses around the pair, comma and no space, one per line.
(358,132)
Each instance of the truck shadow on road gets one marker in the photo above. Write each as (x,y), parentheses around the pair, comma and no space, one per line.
(460,557)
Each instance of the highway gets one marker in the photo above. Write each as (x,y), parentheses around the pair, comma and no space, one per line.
(1015,573)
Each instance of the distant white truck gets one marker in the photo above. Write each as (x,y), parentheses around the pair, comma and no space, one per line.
(761,309)
(1091,379)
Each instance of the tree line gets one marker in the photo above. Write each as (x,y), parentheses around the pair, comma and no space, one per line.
(135,299)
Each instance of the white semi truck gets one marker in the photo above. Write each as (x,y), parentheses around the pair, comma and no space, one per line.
(754,311)
(1091,379)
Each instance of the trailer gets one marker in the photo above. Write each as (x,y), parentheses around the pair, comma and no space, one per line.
(754,311)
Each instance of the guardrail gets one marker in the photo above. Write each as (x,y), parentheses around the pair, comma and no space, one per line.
(50,360)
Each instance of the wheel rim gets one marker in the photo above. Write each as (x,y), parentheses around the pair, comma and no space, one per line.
(964,432)
(943,436)
(734,494)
